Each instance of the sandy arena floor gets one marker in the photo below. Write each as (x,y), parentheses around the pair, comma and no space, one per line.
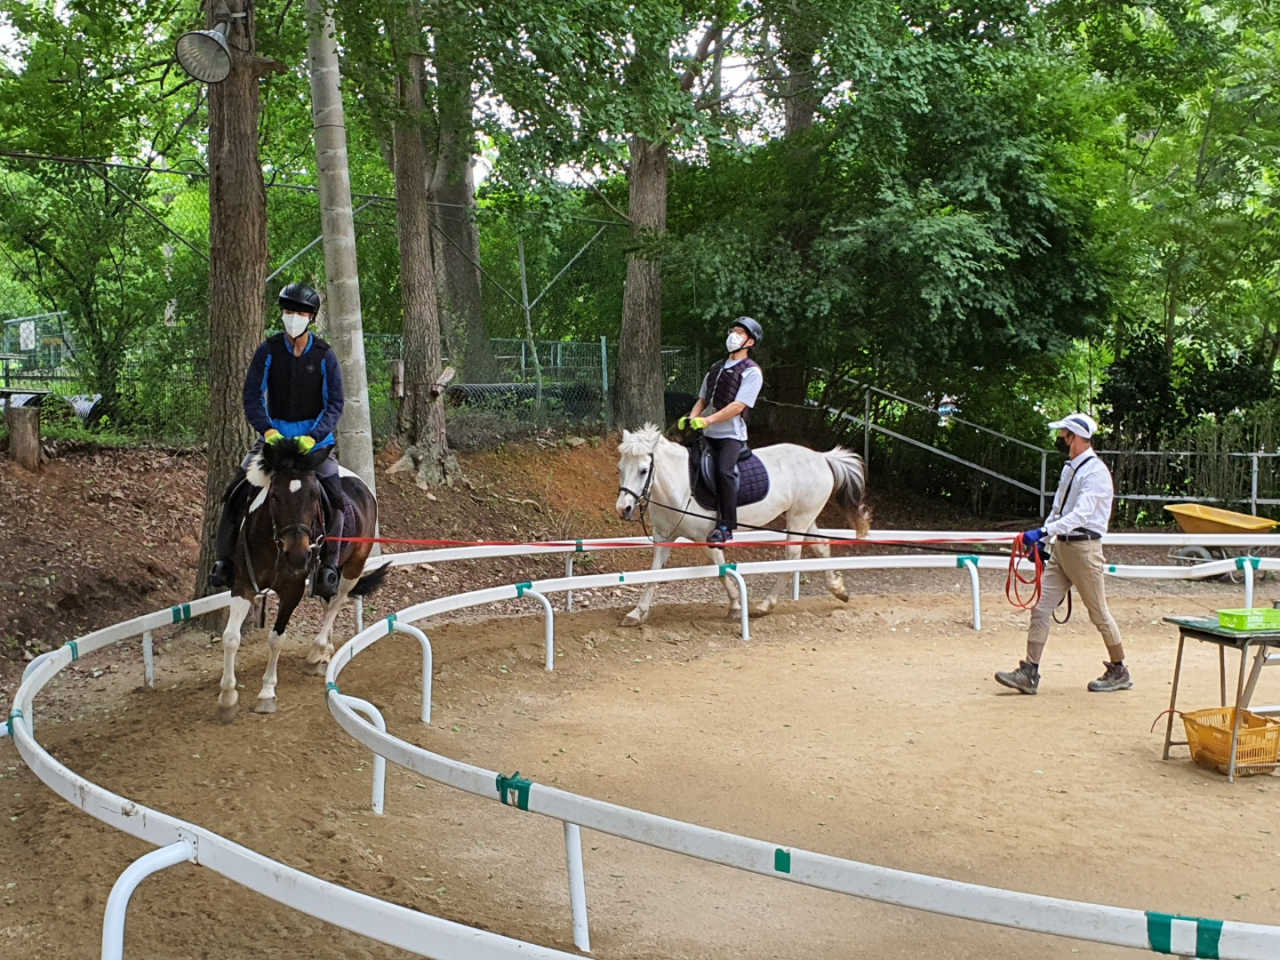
(872,731)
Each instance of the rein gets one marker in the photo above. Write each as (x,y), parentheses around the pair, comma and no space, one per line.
(277,537)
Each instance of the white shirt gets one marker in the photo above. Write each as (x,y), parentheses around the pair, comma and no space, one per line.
(1084,497)
(748,391)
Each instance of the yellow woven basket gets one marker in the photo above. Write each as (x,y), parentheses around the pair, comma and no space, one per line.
(1209,736)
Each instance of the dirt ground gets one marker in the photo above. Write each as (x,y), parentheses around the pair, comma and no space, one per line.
(871,730)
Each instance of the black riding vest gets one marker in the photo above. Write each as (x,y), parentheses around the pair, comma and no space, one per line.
(723,384)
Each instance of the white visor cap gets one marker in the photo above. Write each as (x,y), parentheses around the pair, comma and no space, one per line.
(1081,424)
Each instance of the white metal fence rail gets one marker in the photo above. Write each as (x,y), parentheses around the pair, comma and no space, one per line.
(179,841)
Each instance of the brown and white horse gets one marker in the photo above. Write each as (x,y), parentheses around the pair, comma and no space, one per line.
(278,549)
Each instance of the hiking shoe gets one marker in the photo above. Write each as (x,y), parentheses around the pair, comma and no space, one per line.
(720,535)
(1026,679)
(1116,678)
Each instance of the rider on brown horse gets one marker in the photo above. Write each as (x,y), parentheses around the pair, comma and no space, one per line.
(293,390)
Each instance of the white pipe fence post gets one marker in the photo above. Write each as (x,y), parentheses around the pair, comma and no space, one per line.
(1044,467)
(795,585)
(1246,564)
(549,641)
(379,761)
(577,887)
(359,614)
(413,631)
(568,594)
(972,564)
(148,661)
(118,901)
(729,570)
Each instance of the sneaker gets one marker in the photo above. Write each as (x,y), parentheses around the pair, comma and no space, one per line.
(1026,679)
(222,576)
(720,535)
(1116,678)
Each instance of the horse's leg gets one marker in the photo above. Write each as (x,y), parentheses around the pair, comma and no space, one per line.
(792,553)
(641,613)
(835,578)
(228,697)
(321,648)
(290,596)
(730,584)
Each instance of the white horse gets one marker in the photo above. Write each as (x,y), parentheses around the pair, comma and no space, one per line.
(654,473)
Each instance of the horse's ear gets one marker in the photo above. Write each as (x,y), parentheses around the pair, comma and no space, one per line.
(317,456)
(269,457)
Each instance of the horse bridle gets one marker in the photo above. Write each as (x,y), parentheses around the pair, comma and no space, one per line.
(641,498)
(277,536)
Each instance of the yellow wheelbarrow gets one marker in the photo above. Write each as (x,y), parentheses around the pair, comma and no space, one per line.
(1200,518)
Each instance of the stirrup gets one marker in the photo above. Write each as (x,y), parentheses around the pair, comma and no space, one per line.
(223,575)
(325,583)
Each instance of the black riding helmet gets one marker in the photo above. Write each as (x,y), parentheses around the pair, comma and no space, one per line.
(753,328)
(299,298)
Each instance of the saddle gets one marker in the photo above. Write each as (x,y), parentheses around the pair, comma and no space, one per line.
(750,478)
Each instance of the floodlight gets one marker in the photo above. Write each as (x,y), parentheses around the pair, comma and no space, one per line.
(205,54)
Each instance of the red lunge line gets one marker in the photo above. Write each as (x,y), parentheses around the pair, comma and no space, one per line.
(659,543)
(1015,580)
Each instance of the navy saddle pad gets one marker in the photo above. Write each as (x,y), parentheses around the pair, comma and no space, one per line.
(751,476)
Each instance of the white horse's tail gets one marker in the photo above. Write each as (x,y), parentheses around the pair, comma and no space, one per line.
(851,486)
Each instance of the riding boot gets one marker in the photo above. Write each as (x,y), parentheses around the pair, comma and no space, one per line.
(222,576)
(325,583)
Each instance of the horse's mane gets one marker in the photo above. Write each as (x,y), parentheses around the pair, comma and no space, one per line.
(642,442)
(282,457)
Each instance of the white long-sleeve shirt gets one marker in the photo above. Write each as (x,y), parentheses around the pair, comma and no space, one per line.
(1084,497)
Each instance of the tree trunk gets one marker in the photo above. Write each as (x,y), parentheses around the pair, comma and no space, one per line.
(237,268)
(640,345)
(421,426)
(456,239)
(342,307)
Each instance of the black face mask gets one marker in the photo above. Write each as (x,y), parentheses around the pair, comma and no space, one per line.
(1061,444)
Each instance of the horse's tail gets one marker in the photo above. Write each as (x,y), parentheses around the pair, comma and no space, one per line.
(851,486)
(371,581)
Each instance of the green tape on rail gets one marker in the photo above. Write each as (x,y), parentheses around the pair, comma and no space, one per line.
(961,561)
(725,567)
(330,686)
(1160,933)
(181,612)
(1111,568)
(782,860)
(521,588)
(390,620)
(578,548)
(514,790)
(14,715)
(1252,561)
(75,649)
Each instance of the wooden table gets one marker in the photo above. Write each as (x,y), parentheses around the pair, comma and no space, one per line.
(1207,630)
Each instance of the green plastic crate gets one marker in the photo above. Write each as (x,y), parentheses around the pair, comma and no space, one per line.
(1257,618)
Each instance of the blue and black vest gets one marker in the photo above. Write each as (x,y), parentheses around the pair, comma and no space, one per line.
(723,383)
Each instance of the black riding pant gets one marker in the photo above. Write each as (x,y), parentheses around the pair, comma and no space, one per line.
(725,451)
(240,492)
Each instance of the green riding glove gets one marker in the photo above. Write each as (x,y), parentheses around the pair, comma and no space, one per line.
(697,423)
(273,436)
(305,443)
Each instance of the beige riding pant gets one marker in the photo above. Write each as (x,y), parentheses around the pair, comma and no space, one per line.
(1078,564)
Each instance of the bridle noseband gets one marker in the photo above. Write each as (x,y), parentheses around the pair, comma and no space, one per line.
(279,533)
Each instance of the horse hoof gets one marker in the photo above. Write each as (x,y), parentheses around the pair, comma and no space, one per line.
(842,595)
(633,619)
(265,705)
(761,610)
(227,714)
(734,613)
(316,669)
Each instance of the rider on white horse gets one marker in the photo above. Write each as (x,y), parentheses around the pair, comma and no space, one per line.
(727,396)
(293,390)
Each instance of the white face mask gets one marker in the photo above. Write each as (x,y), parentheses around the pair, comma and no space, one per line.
(295,324)
(735,342)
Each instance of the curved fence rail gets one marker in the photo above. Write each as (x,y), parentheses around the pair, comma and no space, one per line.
(179,841)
